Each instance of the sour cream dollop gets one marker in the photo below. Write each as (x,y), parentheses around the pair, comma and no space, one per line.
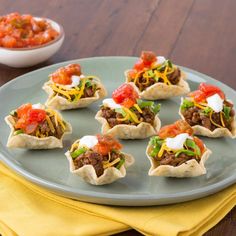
(160,59)
(37,106)
(88,141)
(111,103)
(178,141)
(75,81)
(215,102)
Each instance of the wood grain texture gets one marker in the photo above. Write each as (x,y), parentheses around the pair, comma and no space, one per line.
(199,34)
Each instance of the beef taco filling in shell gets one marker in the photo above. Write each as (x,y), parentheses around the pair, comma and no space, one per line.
(164,155)
(208,107)
(86,88)
(98,161)
(46,123)
(175,152)
(150,69)
(209,119)
(133,116)
(144,79)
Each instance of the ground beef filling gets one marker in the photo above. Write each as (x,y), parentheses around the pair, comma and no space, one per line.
(96,160)
(174,78)
(88,92)
(171,159)
(195,116)
(111,116)
(44,128)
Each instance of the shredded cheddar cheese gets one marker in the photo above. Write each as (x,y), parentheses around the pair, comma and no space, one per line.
(138,108)
(110,164)
(81,91)
(69,92)
(60,91)
(55,114)
(200,106)
(50,124)
(212,121)
(222,119)
(163,148)
(132,115)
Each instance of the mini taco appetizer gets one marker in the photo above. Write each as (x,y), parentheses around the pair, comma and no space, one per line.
(208,112)
(175,152)
(98,159)
(125,116)
(156,77)
(68,88)
(36,127)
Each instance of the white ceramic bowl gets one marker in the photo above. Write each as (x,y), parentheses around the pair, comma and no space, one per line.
(25,57)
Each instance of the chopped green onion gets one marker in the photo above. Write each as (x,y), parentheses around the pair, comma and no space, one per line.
(156,78)
(156,108)
(122,161)
(150,73)
(156,143)
(88,83)
(155,151)
(226,111)
(78,152)
(191,144)
(143,104)
(19,131)
(169,63)
(187,152)
(186,104)
(207,110)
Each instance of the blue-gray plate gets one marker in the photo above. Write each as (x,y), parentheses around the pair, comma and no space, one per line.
(50,169)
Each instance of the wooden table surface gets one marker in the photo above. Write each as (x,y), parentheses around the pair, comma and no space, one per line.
(199,34)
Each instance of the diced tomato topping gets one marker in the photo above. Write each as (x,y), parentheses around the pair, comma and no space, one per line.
(139,65)
(145,61)
(106,143)
(61,78)
(172,130)
(168,131)
(132,74)
(199,143)
(63,74)
(210,90)
(36,115)
(73,69)
(148,57)
(29,118)
(23,31)
(205,91)
(20,124)
(184,127)
(23,110)
(125,95)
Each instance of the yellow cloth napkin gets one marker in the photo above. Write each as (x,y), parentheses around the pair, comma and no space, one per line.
(26,210)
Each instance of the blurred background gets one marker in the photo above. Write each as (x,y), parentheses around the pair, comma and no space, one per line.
(199,34)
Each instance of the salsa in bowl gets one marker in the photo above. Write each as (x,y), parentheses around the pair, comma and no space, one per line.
(26,40)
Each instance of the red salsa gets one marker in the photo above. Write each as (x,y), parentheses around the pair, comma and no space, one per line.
(106,143)
(24,31)
(29,118)
(204,91)
(125,95)
(63,75)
